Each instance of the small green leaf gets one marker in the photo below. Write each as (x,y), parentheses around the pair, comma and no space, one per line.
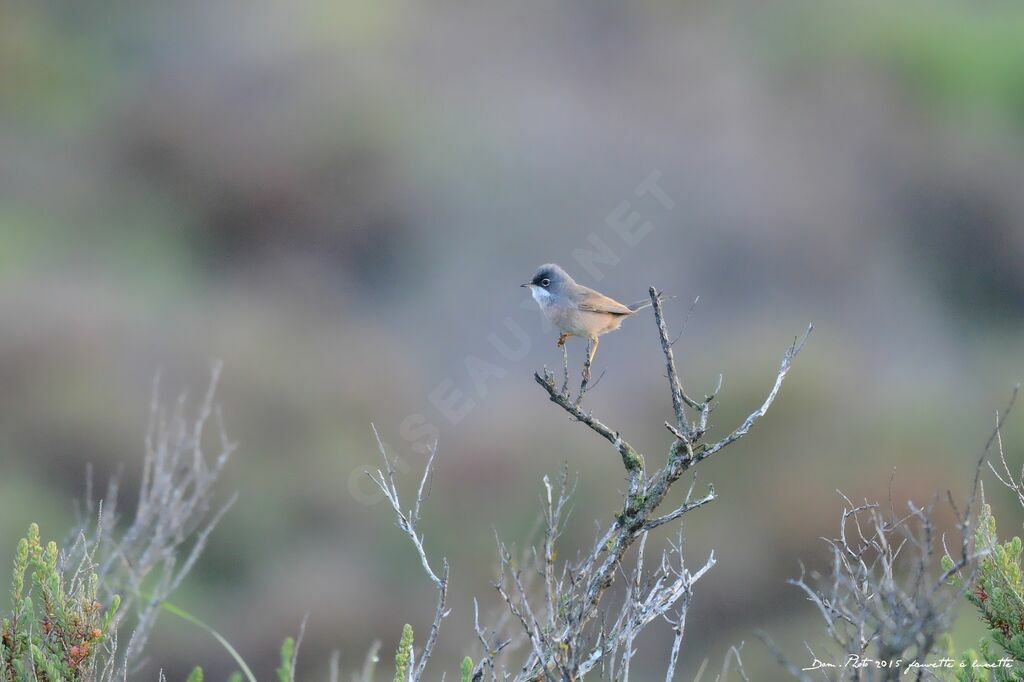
(286,672)
(403,655)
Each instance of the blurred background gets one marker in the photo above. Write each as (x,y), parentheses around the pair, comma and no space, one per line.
(339,199)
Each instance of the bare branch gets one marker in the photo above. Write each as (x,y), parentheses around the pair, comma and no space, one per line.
(787,361)
(783,661)
(631,459)
(385,480)
(675,387)
(734,652)
(578,634)
(408,522)
(440,614)
(565,369)
(370,662)
(678,625)
(682,509)
(174,516)
(885,596)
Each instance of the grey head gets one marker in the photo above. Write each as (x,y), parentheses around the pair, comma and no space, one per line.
(552,279)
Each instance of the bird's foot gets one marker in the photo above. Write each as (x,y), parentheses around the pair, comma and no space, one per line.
(562,338)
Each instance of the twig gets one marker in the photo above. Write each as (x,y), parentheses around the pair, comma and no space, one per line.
(565,369)
(686,320)
(333,669)
(787,361)
(682,509)
(575,640)
(675,388)
(584,383)
(172,522)
(734,652)
(790,667)
(678,626)
(407,522)
(631,459)
(370,662)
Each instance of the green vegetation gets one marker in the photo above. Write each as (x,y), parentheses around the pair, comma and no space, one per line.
(962,61)
(286,673)
(403,654)
(57,627)
(997,592)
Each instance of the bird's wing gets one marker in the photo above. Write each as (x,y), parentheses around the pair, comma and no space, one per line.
(592,301)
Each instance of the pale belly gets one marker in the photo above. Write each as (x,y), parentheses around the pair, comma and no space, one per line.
(578,323)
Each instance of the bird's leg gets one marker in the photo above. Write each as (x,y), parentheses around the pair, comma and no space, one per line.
(562,338)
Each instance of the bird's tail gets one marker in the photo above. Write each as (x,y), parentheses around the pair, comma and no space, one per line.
(646,303)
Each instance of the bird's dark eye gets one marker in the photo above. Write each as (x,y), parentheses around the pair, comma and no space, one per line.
(544,282)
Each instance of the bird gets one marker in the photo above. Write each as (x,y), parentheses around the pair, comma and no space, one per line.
(576,310)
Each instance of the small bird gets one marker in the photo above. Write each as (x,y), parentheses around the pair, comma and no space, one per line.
(577,310)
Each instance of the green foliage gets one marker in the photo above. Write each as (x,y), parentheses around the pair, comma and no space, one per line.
(196,675)
(235,677)
(983,665)
(56,625)
(998,594)
(403,655)
(286,673)
(956,59)
(467,669)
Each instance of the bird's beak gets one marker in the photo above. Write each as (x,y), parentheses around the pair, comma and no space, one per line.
(528,284)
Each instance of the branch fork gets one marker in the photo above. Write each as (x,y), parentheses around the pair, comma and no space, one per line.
(570,630)
(407,522)
(595,573)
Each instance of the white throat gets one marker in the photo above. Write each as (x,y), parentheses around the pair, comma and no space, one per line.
(542,296)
